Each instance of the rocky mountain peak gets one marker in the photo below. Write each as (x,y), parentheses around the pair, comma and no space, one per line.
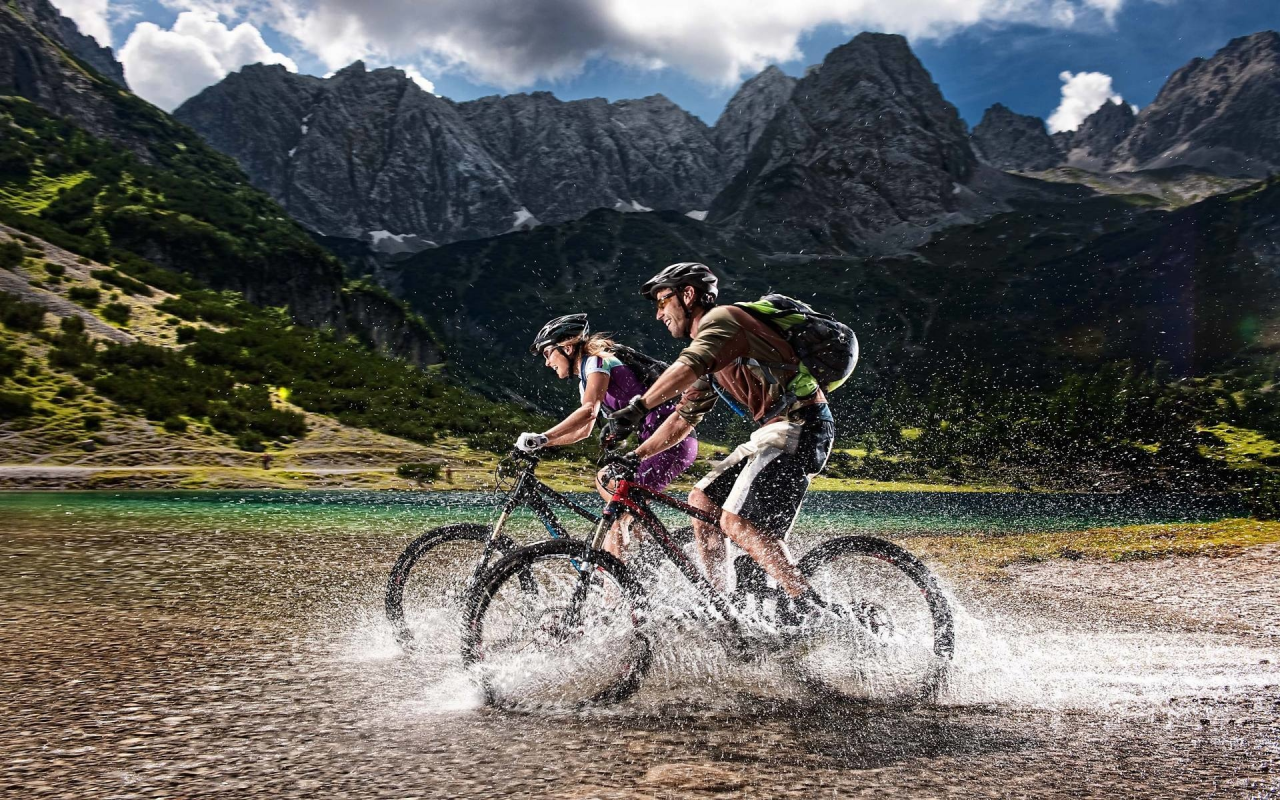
(568,158)
(362,154)
(1220,113)
(66,33)
(1016,142)
(865,144)
(748,112)
(356,67)
(1094,143)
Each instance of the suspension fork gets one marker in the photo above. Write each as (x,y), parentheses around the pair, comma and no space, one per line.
(495,534)
(621,496)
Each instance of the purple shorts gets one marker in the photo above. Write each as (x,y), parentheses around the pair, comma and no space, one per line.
(656,472)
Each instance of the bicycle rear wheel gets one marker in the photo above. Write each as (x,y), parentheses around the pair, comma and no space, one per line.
(427,584)
(575,642)
(888,634)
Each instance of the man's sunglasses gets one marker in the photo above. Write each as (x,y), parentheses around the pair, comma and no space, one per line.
(662,301)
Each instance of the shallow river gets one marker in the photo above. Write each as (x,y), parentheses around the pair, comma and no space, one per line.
(190,644)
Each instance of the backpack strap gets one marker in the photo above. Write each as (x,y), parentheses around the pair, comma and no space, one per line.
(769,333)
(729,401)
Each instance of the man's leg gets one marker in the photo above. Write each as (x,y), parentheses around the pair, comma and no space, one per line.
(770,553)
(766,497)
(711,548)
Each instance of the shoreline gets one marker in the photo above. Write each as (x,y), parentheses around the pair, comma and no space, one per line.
(561,476)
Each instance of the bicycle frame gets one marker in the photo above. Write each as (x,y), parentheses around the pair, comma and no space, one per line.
(631,497)
(531,492)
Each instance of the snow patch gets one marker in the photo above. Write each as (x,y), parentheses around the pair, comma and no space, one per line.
(629,207)
(292,150)
(700,216)
(395,243)
(524,220)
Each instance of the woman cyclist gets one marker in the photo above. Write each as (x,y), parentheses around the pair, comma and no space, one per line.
(568,347)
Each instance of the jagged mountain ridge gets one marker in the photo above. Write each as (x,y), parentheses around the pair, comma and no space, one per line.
(1219,115)
(1093,144)
(567,158)
(866,143)
(866,155)
(743,120)
(485,167)
(321,148)
(1014,142)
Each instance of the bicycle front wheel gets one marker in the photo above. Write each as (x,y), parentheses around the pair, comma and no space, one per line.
(888,633)
(576,641)
(427,584)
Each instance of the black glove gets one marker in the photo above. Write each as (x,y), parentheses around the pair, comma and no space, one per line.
(622,465)
(623,422)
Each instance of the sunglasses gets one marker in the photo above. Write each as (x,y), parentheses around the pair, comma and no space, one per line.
(551,349)
(662,301)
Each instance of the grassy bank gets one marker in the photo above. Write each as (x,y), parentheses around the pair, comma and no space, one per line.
(990,554)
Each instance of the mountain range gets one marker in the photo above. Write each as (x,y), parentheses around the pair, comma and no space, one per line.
(973,265)
(862,154)
(370,154)
(860,169)
(1220,115)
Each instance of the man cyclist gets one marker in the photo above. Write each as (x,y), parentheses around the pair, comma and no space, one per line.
(569,348)
(758,489)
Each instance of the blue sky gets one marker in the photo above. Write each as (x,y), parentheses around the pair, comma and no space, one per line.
(1015,63)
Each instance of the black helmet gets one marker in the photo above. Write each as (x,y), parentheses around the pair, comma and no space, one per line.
(559,329)
(686,273)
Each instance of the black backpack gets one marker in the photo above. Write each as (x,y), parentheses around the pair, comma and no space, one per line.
(647,368)
(826,347)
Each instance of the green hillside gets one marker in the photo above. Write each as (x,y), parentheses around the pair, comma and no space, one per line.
(1087,345)
(171,234)
(197,361)
(195,214)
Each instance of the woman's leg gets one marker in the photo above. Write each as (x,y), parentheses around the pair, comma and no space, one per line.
(616,540)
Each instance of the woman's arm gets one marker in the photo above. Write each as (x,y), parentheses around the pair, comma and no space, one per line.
(578,425)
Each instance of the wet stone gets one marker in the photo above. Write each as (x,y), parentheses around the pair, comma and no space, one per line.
(702,777)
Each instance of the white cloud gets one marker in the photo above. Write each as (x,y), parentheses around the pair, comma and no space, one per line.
(420,79)
(90,16)
(167,67)
(1109,8)
(514,44)
(1082,94)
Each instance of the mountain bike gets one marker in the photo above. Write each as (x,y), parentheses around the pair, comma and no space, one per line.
(454,556)
(584,637)
(436,571)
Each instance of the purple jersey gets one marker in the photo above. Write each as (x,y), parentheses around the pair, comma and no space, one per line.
(624,384)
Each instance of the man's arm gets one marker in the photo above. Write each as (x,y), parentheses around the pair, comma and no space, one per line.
(718,342)
(677,377)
